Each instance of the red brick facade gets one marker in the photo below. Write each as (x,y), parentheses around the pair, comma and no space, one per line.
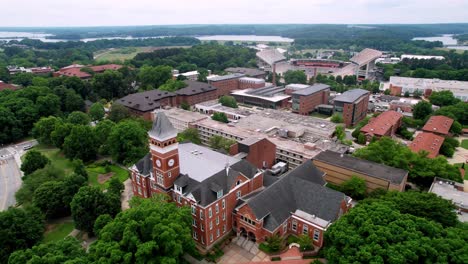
(355,112)
(225,87)
(395,90)
(197,98)
(308,103)
(246,84)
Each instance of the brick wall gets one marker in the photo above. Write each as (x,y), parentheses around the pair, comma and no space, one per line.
(225,87)
(197,98)
(308,103)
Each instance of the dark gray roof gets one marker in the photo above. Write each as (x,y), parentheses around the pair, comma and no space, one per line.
(312,89)
(205,192)
(268,91)
(227,77)
(301,189)
(389,98)
(252,72)
(195,87)
(144,101)
(351,96)
(145,166)
(373,169)
(162,128)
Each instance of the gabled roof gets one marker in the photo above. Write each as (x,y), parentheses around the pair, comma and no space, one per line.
(301,189)
(381,124)
(438,124)
(351,96)
(366,167)
(205,192)
(101,68)
(270,56)
(428,142)
(162,128)
(144,101)
(195,87)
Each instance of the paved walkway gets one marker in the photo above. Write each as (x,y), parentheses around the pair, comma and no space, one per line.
(241,250)
(127,194)
(460,155)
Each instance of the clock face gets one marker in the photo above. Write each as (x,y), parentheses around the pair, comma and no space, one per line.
(171,162)
(158,163)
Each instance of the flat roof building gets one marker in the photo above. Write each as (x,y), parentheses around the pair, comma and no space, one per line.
(353,105)
(455,192)
(267,97)
(339,168)
(181,119)
(251,72)
(304,101)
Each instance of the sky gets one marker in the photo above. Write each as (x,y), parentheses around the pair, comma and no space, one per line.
(46,13)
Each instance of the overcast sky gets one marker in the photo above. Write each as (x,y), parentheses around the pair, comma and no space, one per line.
(163,12)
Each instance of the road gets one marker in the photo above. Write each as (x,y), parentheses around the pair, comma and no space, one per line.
(10,174)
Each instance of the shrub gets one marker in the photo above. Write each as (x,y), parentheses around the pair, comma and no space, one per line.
(337,118)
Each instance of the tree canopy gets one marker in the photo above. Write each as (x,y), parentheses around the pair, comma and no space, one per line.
(20,228)
(390,230)
(151,231)
(96,111)
(189,134)
(128,142)
(295,77)
(229,101)
(33,160)
(443,98)
(422,170)
(421,110)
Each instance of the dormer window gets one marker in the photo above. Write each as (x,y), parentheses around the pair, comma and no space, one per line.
(219,194)
(178,189)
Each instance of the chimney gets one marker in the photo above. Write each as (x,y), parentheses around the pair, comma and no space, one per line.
(273,79)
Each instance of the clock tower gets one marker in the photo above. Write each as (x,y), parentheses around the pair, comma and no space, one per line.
(164,154)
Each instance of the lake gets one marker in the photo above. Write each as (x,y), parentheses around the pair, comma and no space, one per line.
(7,36)
(247,38)
(447,40)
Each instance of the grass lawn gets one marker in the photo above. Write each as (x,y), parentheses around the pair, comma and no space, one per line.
(58,231)
(94,171)
(464,143)
(56,157)
(318,115)
(122,54)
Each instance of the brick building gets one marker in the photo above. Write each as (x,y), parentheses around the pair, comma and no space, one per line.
(339,168)
(439,125)
(258,151)
(196,92)
(352,105)
(267,97)
(385,124)
(249,82)
(215,185)
(75,70)
(297,203)
(226,83)
(250,72)
(142,104)
(428,142)
(7,86)
(304,101)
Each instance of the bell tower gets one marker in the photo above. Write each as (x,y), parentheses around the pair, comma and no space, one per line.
(164,153)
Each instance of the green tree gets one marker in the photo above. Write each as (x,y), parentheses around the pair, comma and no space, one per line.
(367,235)
(67,250)
(101,222)
(81,143)
(184,105)
(127,142)
(219,142)
(43,129)
(78,118)
(349,80)
(443,98)
(76,84)
(337,118)
(406,94)
(34,180)
(152,231)
(48,105)
(305,242)
(295,77)
(96,112)
(20,228)
(354,187)
(220,117)
(79,168)
(153,77)
(228,101)
(33,160)
(361,139)
(340,133)
(172,85)
(189,134)
(456,128)
(109,84)
(421,110)
(61,131)
(89,203)
(118,112)
(102,131)
(115,186)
